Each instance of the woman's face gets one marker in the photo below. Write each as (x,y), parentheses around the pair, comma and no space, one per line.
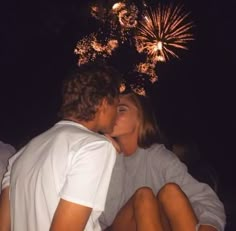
(127,118)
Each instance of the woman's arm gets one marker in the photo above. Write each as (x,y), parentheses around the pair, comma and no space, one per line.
(206,204)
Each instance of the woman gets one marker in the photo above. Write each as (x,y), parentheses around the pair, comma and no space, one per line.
(150,187)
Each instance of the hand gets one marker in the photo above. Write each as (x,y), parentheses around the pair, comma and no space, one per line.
(115,144)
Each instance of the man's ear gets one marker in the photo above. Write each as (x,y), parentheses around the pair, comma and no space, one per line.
(104,104)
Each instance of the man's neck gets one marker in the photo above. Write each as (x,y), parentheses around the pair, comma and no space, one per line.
(91,125)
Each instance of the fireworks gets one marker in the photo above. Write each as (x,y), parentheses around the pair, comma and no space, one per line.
(126,14)
(123,18)
(161,32)
(135,87)
(148,69)
(119,19)
(138,89)
(99,12)
(128,17)
(89,48)
(122,87)
(116,25)
(118,7)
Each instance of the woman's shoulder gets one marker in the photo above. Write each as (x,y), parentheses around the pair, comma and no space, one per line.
(160,152)
(159,149)
(162,160)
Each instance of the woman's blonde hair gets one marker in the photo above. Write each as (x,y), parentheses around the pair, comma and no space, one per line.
(148,129)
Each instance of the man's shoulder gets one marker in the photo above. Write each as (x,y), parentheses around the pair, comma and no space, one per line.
(77,134)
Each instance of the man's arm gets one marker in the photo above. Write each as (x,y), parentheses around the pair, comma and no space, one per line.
(5,222)
(207,228)
(70,216)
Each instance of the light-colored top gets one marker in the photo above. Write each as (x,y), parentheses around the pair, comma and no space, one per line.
(6,151)
(154,167)
(68,161)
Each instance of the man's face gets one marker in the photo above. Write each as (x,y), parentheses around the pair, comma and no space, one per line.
(108,116)
(127,120)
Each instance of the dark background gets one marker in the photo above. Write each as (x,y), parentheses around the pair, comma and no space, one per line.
(194,97)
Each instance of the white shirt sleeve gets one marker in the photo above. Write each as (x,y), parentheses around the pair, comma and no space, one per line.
(6,178)
(6,151)
(88,175)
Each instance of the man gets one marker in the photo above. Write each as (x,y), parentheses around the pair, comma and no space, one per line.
(59,180)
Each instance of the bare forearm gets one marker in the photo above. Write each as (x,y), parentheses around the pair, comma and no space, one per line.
(70,216)
(5,210)
(206,228)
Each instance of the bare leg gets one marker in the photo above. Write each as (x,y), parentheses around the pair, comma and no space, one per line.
(176,208)
(169,211)
(140,213)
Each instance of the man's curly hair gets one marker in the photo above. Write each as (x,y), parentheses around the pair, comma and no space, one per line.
(84,89)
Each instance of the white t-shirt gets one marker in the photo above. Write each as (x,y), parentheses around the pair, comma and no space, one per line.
(6,151)
(68,161)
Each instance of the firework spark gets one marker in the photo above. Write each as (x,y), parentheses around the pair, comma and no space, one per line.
(123,18)
(140,90)
(89,48)
(122,87)
(118,6)
(98,12)
(127,14)
(162,31)
(148,69)
(128,17)
(135,87)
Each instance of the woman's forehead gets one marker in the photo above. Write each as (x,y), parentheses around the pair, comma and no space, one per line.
(125,100)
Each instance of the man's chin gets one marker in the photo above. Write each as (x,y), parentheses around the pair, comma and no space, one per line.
(112,131)
(108,131)
(112,134)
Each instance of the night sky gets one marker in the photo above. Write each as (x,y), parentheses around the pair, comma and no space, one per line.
(194,97)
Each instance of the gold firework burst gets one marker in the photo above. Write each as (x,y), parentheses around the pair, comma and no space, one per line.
(148,69)
(162,31)
(89,48)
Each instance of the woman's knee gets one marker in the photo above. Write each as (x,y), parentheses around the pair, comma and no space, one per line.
(169,191)
(144,194)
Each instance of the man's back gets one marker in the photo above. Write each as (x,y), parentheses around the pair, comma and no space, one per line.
(54,169)
(60,181)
